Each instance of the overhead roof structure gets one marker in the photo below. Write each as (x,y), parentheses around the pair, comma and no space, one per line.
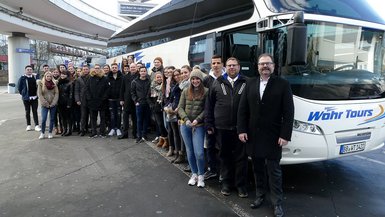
(180,18)
(60,21)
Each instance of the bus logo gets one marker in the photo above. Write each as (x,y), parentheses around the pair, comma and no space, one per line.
(330,113)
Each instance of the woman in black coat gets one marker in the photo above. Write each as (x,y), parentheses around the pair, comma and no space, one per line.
(65,102)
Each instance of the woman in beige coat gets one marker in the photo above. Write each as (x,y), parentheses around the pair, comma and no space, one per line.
(48,94)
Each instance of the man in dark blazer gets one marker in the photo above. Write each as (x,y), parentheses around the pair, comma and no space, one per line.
(265,121)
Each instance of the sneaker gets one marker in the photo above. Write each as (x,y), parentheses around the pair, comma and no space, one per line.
(139,140)
(193,180)
(156,140)
(201,181)
(102,136)
(112,132)
(50,136)
(145,138)
(28,128)
(37,128)
(209,174)
(41,136)
(118,132)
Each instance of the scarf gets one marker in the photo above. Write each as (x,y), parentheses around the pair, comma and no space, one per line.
(50,85)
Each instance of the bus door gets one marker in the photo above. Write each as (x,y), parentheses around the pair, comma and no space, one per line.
(243,45)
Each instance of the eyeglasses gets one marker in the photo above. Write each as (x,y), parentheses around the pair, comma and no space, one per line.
(265,63)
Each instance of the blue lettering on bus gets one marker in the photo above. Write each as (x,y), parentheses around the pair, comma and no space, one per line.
(329,114)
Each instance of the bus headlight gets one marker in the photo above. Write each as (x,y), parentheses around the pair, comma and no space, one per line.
(306,127)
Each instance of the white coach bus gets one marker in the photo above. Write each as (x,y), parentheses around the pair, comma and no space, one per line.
(332,53)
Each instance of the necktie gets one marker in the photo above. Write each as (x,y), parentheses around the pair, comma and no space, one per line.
(232,83)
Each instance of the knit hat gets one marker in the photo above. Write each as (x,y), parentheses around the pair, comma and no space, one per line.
(159,59)
(196,73)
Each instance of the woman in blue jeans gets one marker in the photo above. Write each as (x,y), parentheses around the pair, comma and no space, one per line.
(191,112)
(48,94)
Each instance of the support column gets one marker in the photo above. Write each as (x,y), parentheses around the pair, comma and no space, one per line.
(17,60)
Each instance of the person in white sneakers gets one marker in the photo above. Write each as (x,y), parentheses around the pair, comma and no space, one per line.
(114,78)
(28,90)
(48,93)
(191,112)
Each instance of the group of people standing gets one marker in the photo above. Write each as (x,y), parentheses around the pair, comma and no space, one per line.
(216,120)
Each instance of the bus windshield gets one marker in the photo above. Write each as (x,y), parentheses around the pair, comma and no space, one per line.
(357,9)
(343,62)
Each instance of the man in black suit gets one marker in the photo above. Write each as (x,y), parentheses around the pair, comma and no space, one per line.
(265,121)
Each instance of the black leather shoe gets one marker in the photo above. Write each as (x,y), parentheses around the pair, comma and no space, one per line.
(225,190)
(123,136)
(82,133)
(242,192)
(278,211)
(69,133)
(257,203)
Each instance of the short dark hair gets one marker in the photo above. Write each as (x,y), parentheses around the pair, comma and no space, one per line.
(217,57)
(143,67)
(45,65)
(265,55)
(114,64)
(28,66)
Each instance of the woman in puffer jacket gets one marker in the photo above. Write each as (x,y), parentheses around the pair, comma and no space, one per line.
(48,94)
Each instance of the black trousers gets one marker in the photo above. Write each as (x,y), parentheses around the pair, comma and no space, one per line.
(233,158)
(65,116)
(268,173)
(28,106)
(84,117)
(211,152)
(160,123)
(94,119)
(174,136)
(126,122)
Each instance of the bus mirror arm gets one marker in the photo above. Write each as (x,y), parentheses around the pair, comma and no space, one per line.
(297,41)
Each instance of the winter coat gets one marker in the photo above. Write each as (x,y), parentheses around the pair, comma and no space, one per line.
(140,90)
(125,92)
(80,88)
(23,87)
(191,109)
(65,92)
(222,103)
(47,98)
(265,120)
(97,90)
(155,97)
(115,85)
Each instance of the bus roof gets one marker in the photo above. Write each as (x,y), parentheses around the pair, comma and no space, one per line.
(181,18)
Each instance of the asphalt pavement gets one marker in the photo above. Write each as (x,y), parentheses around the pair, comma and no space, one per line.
(79,176)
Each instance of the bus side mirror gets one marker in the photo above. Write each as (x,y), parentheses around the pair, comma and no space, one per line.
(296,41)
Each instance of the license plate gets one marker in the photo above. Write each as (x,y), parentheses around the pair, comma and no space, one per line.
(350,148)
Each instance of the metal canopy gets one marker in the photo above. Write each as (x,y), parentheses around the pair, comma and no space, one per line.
(181,18)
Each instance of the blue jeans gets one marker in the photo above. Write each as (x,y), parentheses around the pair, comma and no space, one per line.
(194,140)
(115,114)
(142,118)
(44,114)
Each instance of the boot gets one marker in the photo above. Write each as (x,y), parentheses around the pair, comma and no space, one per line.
(180,158)
(64,132)
(176,157)
(170,151)
(69,133)
(165,143)
(160,143)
